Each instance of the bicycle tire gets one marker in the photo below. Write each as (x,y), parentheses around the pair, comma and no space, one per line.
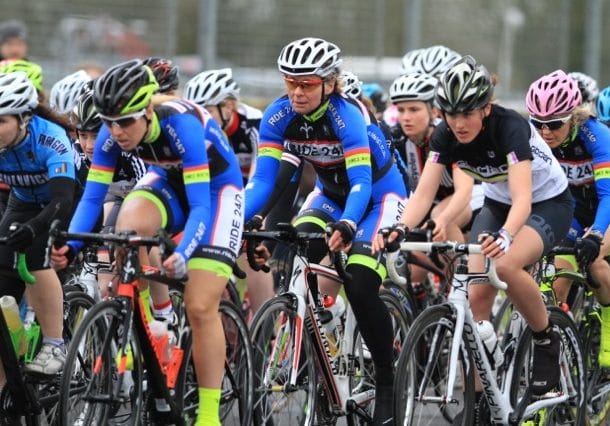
(422,368)
(598,396)
(363,377)
(92,355)
(573,411)
(273,333)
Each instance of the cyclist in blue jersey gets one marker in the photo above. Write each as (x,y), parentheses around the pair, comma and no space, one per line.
(527,207)
(358,189)
(37,161)
(193,183)
(582,145)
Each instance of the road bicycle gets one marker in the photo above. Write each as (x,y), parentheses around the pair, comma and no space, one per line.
(303,376)
(26,398)
(118,372)
(435,379)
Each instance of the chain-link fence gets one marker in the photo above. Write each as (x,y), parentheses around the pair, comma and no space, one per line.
(519,40)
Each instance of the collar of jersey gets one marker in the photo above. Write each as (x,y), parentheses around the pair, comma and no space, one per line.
(317,114)
(155,129)
(571,137)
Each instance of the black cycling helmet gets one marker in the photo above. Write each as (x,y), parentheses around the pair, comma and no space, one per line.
(165,72)
(88,118)
(465,86)
(125,88)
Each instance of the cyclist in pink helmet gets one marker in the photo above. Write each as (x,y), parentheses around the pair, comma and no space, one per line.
(581,143)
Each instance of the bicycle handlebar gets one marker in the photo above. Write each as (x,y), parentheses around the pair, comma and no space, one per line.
(20,263)
(450,247)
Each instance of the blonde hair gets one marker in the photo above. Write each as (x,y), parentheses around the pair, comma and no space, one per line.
(581,114)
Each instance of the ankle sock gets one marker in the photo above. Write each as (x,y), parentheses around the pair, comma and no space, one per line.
(209,404)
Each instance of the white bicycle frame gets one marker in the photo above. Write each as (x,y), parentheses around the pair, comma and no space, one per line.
(335,369)
(498,398)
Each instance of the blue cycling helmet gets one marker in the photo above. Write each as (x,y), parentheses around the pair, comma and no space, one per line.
(377,95)
(603,105)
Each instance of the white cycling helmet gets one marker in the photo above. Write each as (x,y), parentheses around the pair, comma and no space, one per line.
(66,91)
(413,87)
(211,87)
(17,94)
(587,86)
(435,60)
(310,56)
(351,84)
(410,62)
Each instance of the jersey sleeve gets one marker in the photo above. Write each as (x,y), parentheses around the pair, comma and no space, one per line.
(101,172)
(351,127)
(597,141)
(270,148)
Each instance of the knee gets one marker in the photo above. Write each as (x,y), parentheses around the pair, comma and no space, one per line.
(201,310)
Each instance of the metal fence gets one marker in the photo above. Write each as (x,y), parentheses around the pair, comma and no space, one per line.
(519,40)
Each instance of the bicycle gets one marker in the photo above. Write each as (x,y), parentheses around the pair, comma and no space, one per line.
(115,359)
(583,307)
(26,398)
(435,376)
(301,375)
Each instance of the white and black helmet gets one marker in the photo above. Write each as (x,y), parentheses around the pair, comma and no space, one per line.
(411,62)
(413,87)
(66,91)
(435,60)
(310,56)
(211,87)
(351,84)
(17,94)
(587,86)
(466,86)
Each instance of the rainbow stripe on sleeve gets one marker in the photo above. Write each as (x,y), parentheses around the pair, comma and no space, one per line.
(197,174)
(100,174)
(357,157)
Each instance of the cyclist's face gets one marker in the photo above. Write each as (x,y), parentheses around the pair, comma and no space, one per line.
(9,130)
(414,118)
(467,125)
(129,135)
(305,92)
(555,137)
(87,141)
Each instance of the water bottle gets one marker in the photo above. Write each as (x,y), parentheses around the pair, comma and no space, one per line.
(490,340)
(10,309)
(334,327)
(32,331)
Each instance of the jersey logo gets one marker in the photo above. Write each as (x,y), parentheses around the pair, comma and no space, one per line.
(306,128)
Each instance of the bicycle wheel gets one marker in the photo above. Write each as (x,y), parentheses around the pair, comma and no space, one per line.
(363,377)
(405,298)
(276,400)
(571,362)
(93,390)
(598,384)
(421,386)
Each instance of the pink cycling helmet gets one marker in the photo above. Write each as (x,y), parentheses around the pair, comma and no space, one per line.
(553,94)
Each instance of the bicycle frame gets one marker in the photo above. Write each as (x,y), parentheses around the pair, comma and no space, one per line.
(498,398)
(335,370)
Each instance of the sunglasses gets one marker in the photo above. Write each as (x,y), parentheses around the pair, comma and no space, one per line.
(123,120)
(553,124)
(304,85)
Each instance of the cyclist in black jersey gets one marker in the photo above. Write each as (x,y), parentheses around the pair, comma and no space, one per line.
(527,207)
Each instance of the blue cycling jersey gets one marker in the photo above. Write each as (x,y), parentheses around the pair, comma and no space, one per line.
(585,160)
(44,153)
(187,143)
(348,152)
